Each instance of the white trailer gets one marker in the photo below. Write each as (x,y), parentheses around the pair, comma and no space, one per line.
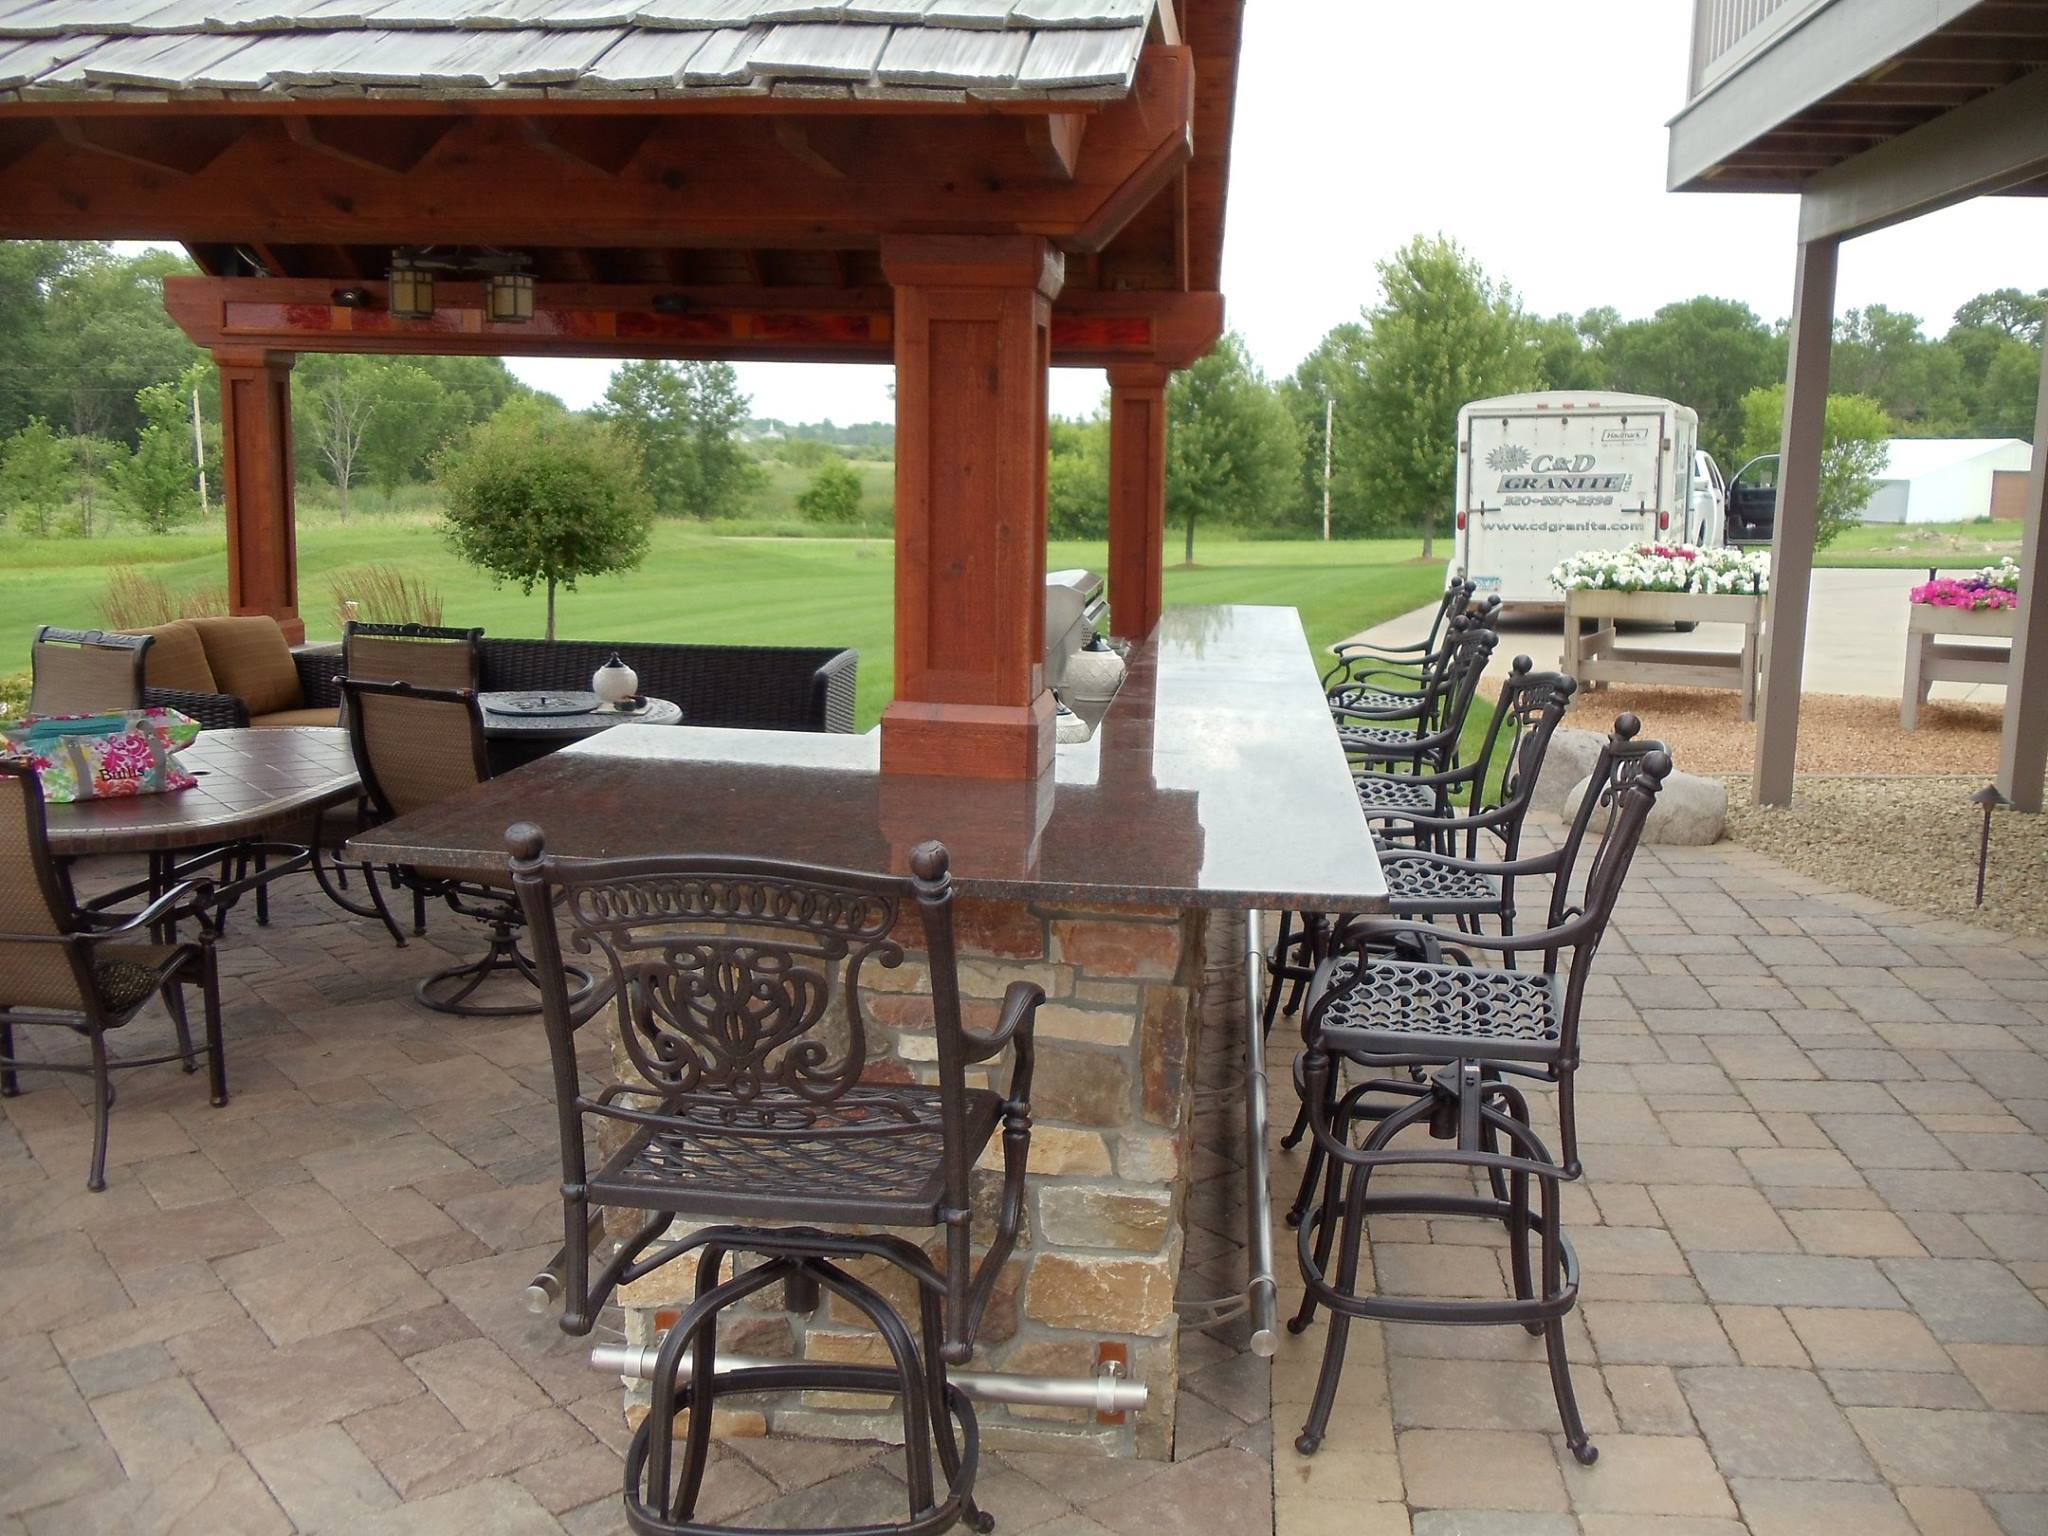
(1546,475)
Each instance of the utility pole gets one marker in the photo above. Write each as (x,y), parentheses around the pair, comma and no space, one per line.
(199,458)
(1329,419)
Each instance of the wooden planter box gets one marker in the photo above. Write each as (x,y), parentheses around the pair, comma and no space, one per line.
(1596,658)
(1931,660)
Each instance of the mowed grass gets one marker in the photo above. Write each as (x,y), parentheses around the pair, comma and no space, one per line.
(1907,546)
(694,586)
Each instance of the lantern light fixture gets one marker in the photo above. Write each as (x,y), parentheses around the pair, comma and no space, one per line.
(410,294)
(508,297)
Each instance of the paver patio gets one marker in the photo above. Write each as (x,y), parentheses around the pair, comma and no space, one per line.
(1814,1232)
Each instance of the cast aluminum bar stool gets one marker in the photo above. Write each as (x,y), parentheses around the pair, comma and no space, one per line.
(1356,658)
(1372,733)
(735,988)
(1457,1034)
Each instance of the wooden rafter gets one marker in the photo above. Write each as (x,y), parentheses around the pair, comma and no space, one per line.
(187,148)
(606,144)
(1056,140)
(394,144)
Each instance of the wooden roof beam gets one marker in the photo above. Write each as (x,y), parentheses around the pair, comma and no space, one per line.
(187,148)
(607,144)
(1056,140)
(392,144)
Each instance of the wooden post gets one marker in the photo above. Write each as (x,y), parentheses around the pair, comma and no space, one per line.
(973,343)
(2023,748)
(1137,497)
(1806,403)
(256,450)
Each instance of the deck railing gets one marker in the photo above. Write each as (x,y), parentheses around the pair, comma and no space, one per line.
(1725,32)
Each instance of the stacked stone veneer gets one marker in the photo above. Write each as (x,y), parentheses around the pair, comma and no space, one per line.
(1100,1251)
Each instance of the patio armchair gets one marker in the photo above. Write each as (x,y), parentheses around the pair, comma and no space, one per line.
(1448,881)
(92,972)
(734,986)
(1451,1043)
(84,671)
(1366,655)
(1421,735)
(415,747)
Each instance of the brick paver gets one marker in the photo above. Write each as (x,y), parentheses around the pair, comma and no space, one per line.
(1814,1231)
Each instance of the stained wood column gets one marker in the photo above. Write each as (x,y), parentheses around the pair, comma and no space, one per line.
(256,449)
(1797,524)
(1137,497)
(973,342)
(2023,748)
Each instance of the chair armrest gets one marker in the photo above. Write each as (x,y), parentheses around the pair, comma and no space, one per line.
(833,691)
(214,711)
(319,669)
(1020,1013)
(119,924)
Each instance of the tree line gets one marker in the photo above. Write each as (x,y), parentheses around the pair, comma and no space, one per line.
(1248,451)
(99,392)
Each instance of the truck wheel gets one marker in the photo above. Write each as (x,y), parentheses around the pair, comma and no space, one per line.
(1685,626)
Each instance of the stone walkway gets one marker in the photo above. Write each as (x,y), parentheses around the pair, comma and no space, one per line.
(1814,1230)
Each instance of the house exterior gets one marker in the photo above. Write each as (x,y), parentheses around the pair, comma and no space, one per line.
(1872,112)
(1944,479)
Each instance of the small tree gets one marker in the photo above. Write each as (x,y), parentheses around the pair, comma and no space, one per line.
(534,495)
(35,476)
(92,465)
(404,428)
(833,496)
(157,482)
(1231,450)
(336,403)
(1852,454)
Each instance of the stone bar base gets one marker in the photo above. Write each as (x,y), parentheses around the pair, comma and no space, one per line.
(1100,1253)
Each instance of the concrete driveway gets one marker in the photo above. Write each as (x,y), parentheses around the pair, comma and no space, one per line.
(1855,637)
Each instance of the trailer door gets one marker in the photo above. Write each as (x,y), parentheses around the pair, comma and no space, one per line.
(1542,485)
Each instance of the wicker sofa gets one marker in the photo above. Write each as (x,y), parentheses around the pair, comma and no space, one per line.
(757,687)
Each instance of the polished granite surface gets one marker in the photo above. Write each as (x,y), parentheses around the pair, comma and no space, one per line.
(1214,780)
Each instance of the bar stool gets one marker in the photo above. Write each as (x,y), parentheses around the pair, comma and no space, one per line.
(1458,1035)
(752,1106)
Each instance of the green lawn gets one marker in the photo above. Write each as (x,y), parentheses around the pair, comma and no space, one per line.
(694,586)
(1911,546)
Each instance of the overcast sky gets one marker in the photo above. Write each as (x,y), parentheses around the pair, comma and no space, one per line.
(1532,134)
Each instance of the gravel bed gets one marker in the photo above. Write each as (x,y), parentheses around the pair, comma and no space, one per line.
(1908,841)
(1838,732)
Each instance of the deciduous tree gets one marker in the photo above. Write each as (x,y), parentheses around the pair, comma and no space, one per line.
(159,481)
(1852,453)
(1231,451)
(35,476)
(1443,334)
(1707,353)
(833,496)
(686,419)
(539,497)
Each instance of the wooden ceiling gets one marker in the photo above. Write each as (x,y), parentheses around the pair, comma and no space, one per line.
(1986,47)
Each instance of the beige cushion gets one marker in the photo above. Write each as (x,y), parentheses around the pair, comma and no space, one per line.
(251,660)
(177,660)
(281,717)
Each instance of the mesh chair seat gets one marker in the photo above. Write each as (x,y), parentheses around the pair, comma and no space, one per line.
(1421,885)
(781,1156)
(1372,698)
(1391,795)
(1366,739)
(1440,1012)
(124,975)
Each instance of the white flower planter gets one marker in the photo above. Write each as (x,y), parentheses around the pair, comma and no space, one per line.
(1931,660)
(1596,659)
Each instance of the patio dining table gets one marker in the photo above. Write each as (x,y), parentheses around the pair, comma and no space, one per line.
(253,785)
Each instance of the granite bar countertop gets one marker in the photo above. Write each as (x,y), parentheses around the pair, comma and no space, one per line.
(1214,780)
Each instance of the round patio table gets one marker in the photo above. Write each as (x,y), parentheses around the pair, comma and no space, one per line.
(526,725)
(251,783)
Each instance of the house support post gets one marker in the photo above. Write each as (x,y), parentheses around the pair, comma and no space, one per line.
(256,447)
(973,343)
(2023,750)
(1137,497)
(1792,539)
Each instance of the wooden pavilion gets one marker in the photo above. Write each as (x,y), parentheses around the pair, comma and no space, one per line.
(1873,112)
(975,190)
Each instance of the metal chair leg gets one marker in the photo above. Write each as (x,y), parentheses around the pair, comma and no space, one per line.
(103,1104)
